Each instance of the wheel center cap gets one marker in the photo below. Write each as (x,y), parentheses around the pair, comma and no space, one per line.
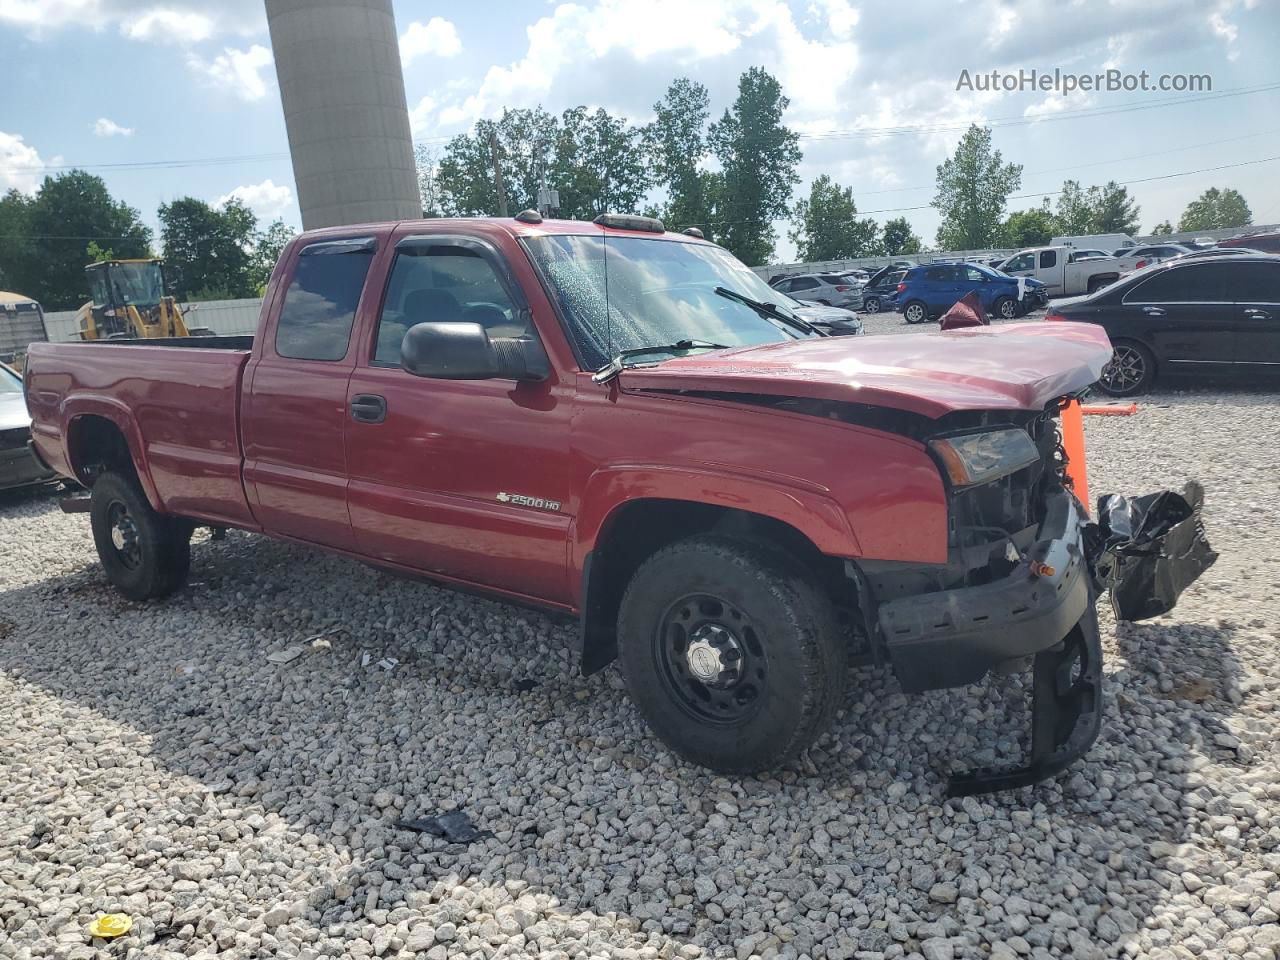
(714,656)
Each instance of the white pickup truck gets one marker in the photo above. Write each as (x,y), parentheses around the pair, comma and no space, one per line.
(1065,276)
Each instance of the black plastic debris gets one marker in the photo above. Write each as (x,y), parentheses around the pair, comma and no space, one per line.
(1150,549)
(526,684)
(454,826)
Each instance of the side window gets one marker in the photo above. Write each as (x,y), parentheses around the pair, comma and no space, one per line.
(803,283)
(443,284)
(783,285)
(1021,262)
(1199,283)
(936,274)
(1048,258)
(320,304)
(1255,282)
(975,275)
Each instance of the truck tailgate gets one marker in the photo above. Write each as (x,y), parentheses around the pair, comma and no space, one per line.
(177,407)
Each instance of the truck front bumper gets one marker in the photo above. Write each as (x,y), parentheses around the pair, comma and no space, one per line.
(954,637)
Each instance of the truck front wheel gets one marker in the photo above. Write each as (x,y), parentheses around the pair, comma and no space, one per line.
(145,554)
(731,653)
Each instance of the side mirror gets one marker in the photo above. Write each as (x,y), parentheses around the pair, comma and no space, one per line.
(464,351)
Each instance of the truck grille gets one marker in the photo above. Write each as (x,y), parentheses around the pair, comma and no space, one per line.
(15,438)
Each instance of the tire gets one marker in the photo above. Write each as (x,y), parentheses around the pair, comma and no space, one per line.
(871,305)
(145,554)
(1130,372)
(1005,308)
(773,658)
(915,312)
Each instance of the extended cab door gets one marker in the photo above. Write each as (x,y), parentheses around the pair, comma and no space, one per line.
(466,479)
(295,397)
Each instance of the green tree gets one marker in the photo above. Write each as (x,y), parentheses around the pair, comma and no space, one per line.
(1074,215)
(898,238)
(598,166)
(974,185)
(1112,210)
(1162,229)
(208,252)
(15,240)
(1216,210)
(427,162)
(53,231)
(827,226)
(268,244)
(758,158)
(1030,228)
(677,142)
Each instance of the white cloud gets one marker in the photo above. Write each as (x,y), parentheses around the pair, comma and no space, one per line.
(103,127)
(267,199)
(437,37)
(239,71)
(841,17)
(20,165)
(162,24)
(184,21)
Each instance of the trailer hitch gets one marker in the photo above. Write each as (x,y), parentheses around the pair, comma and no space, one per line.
(1144,551)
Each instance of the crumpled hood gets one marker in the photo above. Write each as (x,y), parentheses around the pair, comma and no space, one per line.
(13,411)
(1019,366)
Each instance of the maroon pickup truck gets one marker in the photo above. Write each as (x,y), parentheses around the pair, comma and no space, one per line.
(616,422)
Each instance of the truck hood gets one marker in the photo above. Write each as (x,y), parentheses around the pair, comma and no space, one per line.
(1019,366)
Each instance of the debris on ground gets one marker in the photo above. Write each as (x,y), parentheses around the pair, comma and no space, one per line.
(109,925)
(288,654)
(454,826)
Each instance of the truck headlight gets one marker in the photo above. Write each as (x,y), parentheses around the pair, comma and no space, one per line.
(981,457)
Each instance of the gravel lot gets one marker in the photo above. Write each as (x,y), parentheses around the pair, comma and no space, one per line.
(153,762)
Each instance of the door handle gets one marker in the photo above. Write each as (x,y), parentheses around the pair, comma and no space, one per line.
(1153,311)
(1257,314)
(368,408)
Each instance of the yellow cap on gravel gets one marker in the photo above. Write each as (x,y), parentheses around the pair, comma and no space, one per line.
(111,925)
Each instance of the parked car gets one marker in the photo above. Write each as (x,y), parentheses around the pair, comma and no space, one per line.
(1154,253)
(834,321)
(1268,242)
(730,504)
(1063,275)
(1078,255)
(881,290)
(926,292)
(18,468)
(831,289)
(1193,316)
(1216,252)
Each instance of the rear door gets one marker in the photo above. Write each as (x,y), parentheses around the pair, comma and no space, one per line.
(1188,315)
(466,479)
(1258,315)
(295,400)
(1050,271)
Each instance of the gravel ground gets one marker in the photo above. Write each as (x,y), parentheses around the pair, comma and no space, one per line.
(154,762)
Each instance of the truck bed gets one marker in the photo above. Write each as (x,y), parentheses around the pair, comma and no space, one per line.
(177,403)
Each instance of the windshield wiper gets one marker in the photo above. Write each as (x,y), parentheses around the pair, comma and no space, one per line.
(619,362)
(770,311)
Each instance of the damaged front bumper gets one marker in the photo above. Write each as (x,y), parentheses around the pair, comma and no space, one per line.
(1145,551)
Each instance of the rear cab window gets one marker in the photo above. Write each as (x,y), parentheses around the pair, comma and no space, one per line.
(319,306)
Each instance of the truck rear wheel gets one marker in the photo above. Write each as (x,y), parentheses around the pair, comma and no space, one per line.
(145,554)
(730,652)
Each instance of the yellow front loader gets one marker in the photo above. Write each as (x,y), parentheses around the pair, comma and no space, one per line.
(129,303)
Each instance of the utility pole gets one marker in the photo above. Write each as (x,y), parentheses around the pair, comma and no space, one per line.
(496,152)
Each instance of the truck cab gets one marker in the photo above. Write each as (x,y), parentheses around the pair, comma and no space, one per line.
(1065,275)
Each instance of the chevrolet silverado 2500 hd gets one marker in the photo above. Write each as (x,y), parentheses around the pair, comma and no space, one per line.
(619,423)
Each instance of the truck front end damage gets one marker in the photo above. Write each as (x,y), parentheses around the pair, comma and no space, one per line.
(1025,567)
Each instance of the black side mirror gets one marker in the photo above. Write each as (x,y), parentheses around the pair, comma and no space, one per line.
(464,351)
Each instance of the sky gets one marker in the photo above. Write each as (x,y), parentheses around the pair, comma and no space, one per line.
(179,98)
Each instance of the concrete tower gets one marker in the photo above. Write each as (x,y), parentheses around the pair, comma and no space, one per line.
(338,63)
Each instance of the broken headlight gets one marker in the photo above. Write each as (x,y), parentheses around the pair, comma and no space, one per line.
(982,457)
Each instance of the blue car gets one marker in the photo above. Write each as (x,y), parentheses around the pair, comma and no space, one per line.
(928,291)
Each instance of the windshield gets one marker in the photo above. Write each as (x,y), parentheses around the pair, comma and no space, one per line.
(658,292)
(9,381)
(136,283)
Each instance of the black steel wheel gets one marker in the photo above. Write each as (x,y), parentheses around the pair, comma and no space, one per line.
(731,652)
(1130,371)
(145,554)
(712,658)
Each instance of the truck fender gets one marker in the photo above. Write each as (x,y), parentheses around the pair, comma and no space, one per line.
(805,508)
(76,407)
